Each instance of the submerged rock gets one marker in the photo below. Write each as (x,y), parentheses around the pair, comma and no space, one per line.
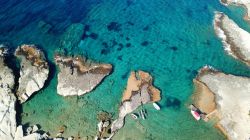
(226,98)
(236,41)
(78,76)
(72,37)
(33,73)
(139,91)
(7,100)
(44,27)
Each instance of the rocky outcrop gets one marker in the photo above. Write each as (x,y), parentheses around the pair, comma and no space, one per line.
(104,126)
(29,134)
(7,100)
(8,124)
(236,41)
(78,76)
(33,72)
(226,98)
(243,3)
(139,91)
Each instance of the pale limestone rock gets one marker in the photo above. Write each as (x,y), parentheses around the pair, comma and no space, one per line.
(78,76)
(236,41)
(232,98)
(19,135)
(244,3)
(7,101)
(34,71)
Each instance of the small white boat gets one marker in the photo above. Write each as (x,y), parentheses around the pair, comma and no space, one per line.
(156,106)
(134,116)
(142,114)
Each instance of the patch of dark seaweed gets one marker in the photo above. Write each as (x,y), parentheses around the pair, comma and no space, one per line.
(114,26)
(128,45)
(174,48)
(93,36)
(145,43)
(119,57)
(146,28)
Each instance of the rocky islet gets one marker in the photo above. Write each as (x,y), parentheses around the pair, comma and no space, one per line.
(236,41)
(34,71)
(78,75)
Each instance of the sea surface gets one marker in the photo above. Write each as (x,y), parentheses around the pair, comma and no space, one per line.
(171,39)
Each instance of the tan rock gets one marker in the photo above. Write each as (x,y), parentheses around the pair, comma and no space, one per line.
(226,98)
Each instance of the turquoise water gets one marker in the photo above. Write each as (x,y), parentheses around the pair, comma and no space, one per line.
(169,39)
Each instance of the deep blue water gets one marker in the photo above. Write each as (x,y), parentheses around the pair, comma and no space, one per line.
(170,39)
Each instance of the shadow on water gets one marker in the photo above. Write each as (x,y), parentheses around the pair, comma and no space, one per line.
(173,102)
(52,68)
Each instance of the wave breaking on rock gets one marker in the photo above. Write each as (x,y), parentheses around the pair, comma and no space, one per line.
(236,41)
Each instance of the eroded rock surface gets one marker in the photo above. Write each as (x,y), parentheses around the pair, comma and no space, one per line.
(243,3)
(227,98)
(139,91)
(236,41)
(78,76)
(7,100)
(33,73)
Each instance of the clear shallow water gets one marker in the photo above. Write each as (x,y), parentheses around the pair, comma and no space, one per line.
(169,39)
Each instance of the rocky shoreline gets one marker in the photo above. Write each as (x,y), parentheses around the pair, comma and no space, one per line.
(7,100)
(243,3)
(236,41)
(8,103)
(78,75)
(225,98)
(33,74)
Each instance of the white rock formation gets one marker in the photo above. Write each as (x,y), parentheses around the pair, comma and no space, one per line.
(236,41)
(34,71)
(244,3)
(19,135)
(8,128)
(7,102)
(232,98)
(78,76)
